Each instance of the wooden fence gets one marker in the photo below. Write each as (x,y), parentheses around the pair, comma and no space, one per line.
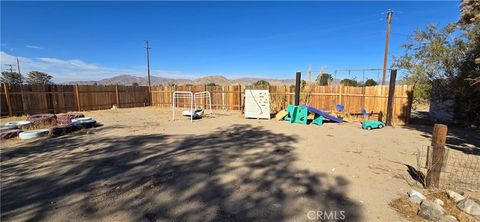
(32,99)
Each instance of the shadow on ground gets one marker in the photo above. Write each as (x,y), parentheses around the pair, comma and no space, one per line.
(458,138)
(239,173)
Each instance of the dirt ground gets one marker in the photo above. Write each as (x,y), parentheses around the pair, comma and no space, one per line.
(142,166)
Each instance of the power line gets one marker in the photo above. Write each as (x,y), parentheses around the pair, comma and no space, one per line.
(11,66)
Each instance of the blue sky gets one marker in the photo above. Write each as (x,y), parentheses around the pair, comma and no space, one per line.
(95,40)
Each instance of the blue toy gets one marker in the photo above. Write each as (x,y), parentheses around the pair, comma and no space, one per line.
(372,124)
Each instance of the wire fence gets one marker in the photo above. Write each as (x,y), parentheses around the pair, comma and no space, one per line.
(460,171)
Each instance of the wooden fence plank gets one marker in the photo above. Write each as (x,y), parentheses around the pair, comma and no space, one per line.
(63,98)
(7,98)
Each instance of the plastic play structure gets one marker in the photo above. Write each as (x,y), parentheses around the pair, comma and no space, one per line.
(194,111)
(300,114)
(370,124)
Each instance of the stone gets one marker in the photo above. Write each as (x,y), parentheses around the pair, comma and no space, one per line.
(415,196)
(448,218)
(469,206)
(415,199)
(439,202)
(430,210)
(455,196)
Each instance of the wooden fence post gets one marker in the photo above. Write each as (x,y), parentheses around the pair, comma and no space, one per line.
(7,97)
(204,101)
(240,97)
(391,94)
(297,88)
(340,94)
(117,96)
(439,138)
(77,97)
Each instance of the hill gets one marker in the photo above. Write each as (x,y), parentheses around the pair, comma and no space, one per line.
(157,80)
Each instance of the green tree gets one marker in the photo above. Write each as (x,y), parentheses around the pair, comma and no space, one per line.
(12,78)
(349,82)
(324,79)
(212,84)
(470,12)
(262,84)
(303,84)
(445,56)
(370,82)
(36,77)
(135,84)
(431,54)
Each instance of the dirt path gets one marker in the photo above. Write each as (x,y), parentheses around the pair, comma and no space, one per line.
(142,166)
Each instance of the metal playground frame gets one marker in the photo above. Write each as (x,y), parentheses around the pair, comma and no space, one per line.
(205,96)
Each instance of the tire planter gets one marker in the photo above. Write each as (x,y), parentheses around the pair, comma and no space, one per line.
(7,134)
(62,129)
(85,123)
(81,119)
(40,119)
(18,124)
(67,118)
(32,134)
(7,127)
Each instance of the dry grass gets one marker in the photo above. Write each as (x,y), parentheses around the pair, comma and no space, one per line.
(450,206)
(409,210)
(406,209)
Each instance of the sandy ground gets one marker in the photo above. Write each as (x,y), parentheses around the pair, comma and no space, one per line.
(141,166)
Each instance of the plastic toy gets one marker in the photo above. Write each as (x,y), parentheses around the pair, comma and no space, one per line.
(372,124)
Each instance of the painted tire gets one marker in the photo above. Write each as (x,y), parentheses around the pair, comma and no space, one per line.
(33,134)
(18,124)
(85,123)
(7,134)
(67,118)
(81,119)
(40,119)
(8,127)
(62,129)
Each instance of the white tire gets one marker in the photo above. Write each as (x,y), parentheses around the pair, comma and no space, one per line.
(8,127)
(81,119)
(19,124)
(33,134)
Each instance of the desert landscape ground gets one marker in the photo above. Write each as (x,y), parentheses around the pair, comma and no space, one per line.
(142,166)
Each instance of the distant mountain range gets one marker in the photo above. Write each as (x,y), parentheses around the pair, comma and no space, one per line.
(156,80)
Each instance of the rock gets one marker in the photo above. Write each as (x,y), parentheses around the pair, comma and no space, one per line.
(448,218)
(455,196)
(439,202)
(415,196)
(415,199)
(469,206)
(430,210)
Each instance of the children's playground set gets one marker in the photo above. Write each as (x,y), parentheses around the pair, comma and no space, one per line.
(257,105)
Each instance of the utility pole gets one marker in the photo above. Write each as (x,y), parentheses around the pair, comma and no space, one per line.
(385,57)
(18,66)
(148,71)
(11,66)
(310,75)
(148,64)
